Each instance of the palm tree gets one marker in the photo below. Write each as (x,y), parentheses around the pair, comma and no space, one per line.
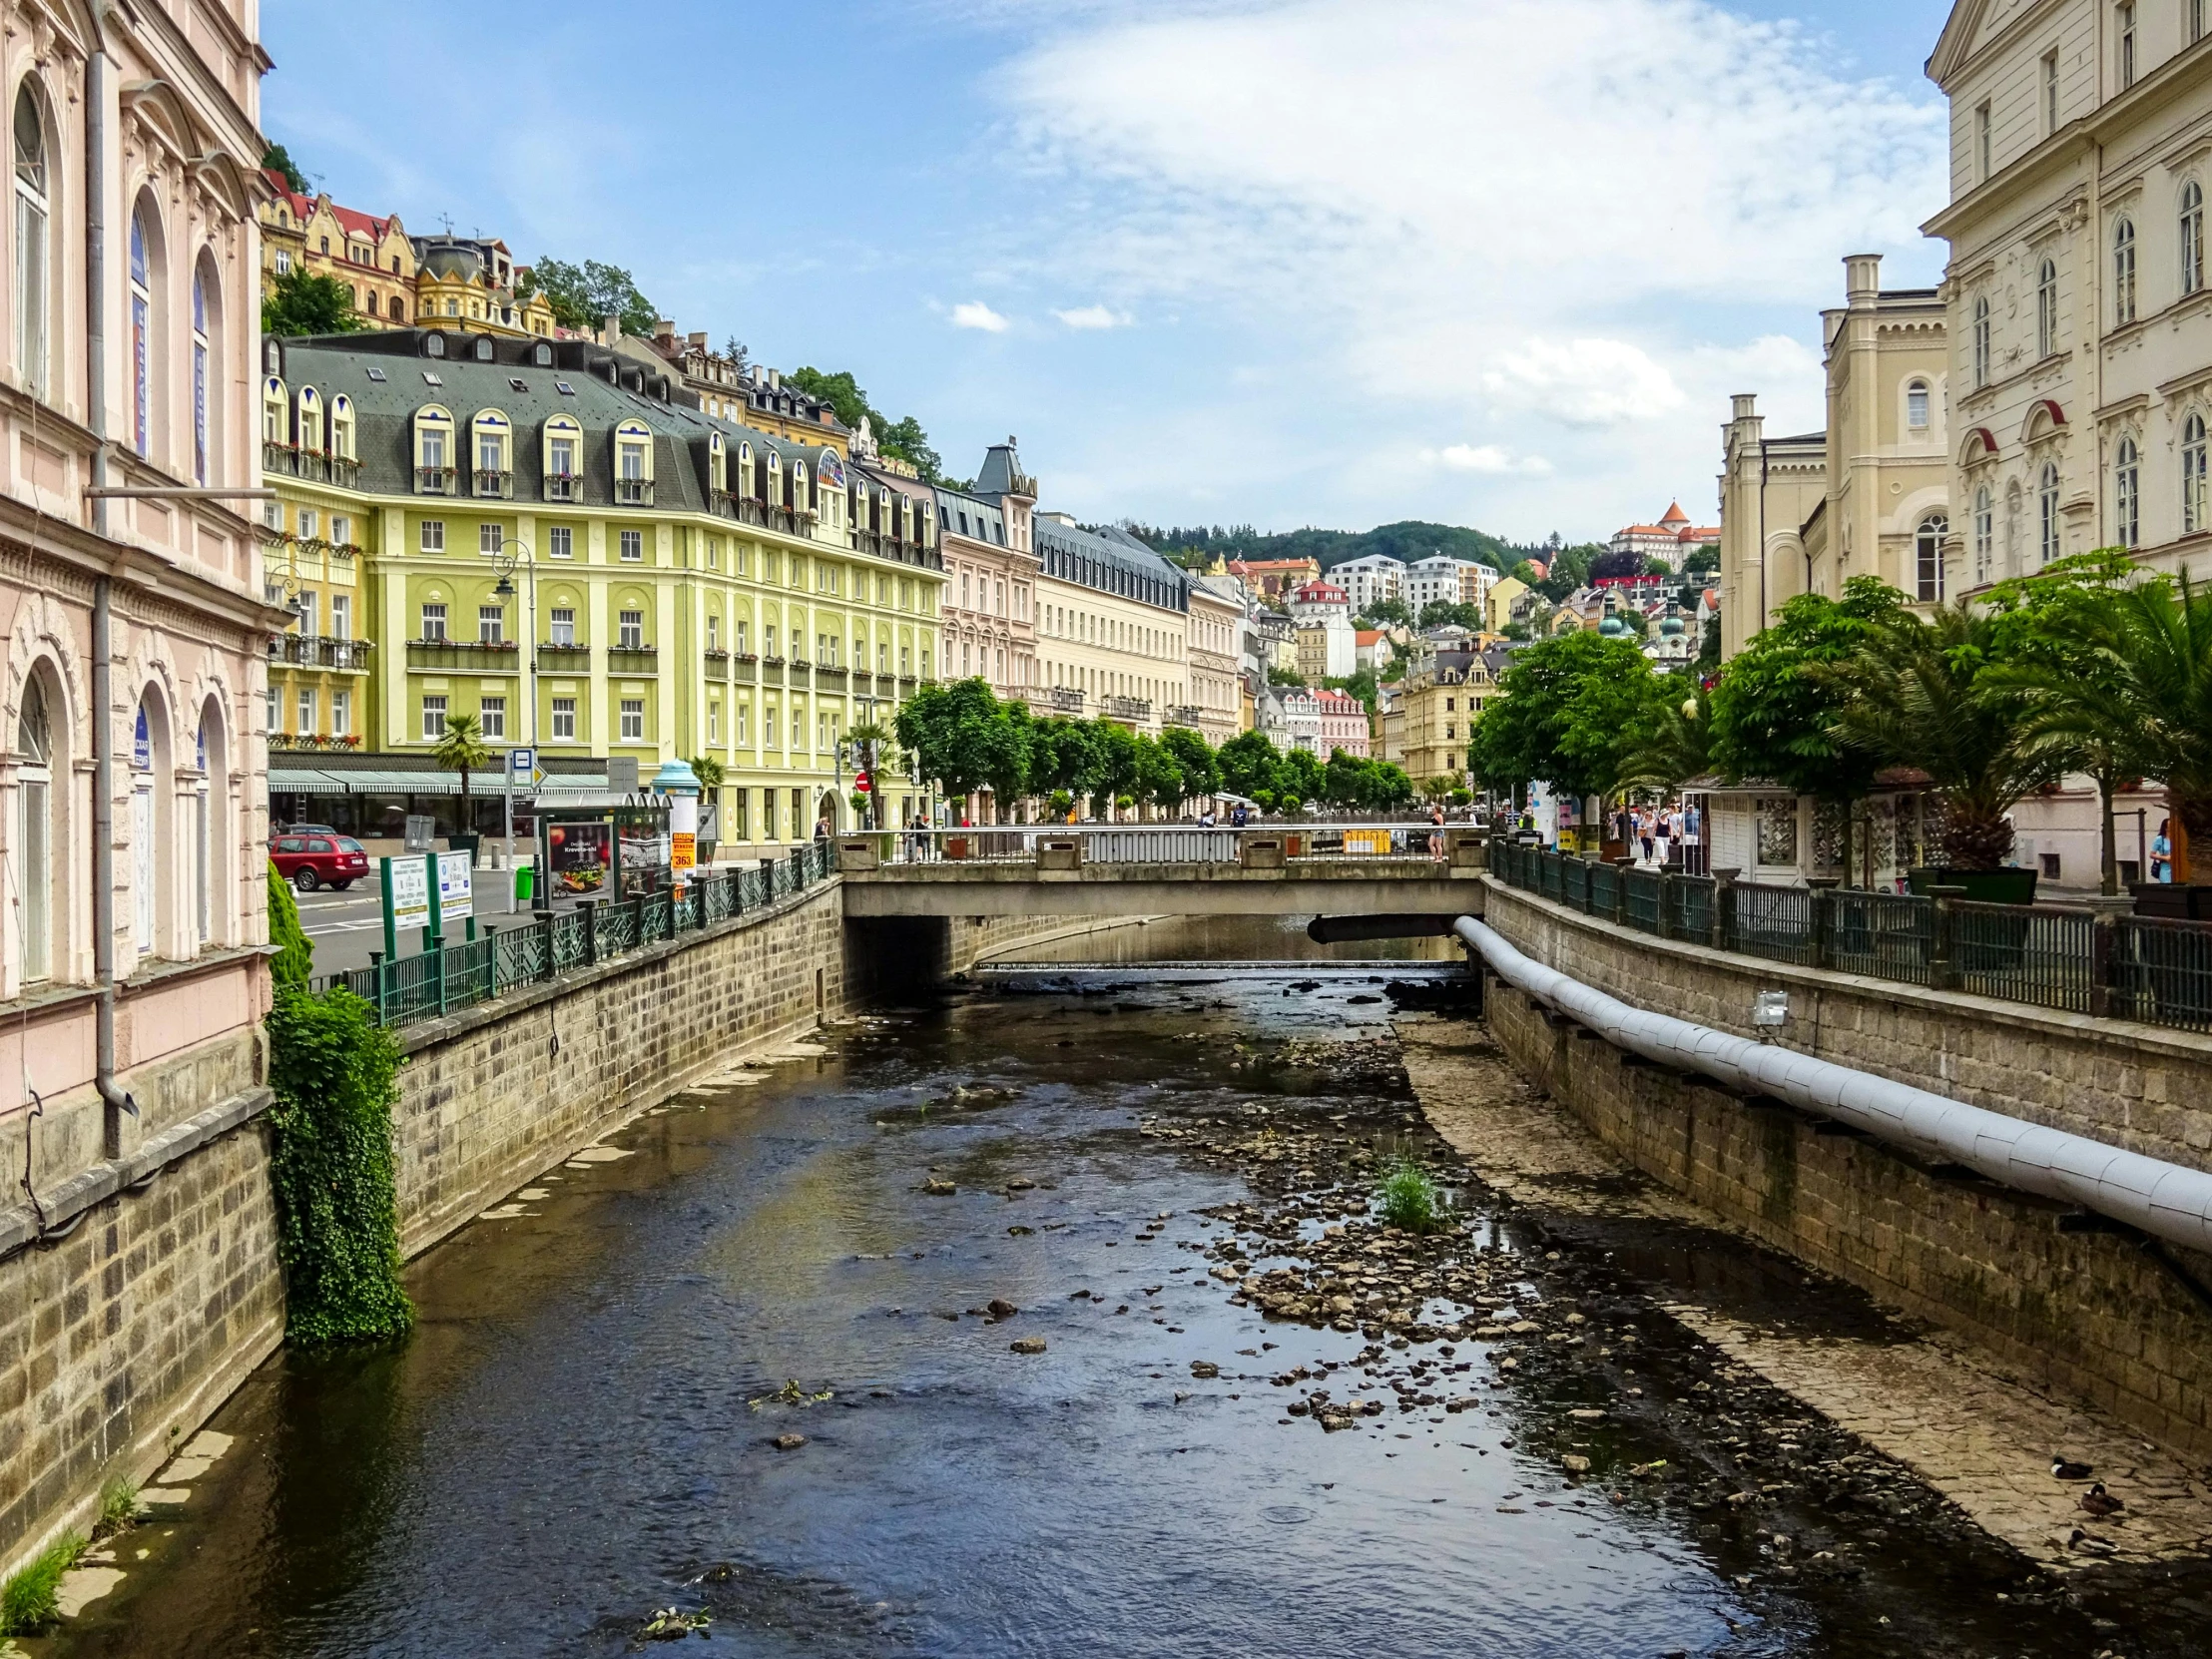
(1923,697)
(460,748)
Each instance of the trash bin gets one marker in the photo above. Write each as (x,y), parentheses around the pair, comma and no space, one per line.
(524,885)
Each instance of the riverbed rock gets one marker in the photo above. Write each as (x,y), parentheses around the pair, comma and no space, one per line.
(1205,1368)
(787,1442)
(1000,1308)
(939,1187)
(1027,1345)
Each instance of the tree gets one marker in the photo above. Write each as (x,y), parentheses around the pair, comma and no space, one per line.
(1704,559)
(736,355)
(1774,721)
(583,297)
(906,439)
(848,402)
(1609,565)
(1195,758)
(1361,685)
(1919,694)
(1452,613)
(1386,610)
(947,727)
(1671,742)
(1566,708)
(1158,781)
(709,771)
(1248,764)
(460,748)
(301,302)
(277,158)
(1115,750)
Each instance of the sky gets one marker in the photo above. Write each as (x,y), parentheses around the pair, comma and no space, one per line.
(1338,262)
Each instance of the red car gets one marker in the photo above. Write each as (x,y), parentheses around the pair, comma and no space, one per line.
(323,861)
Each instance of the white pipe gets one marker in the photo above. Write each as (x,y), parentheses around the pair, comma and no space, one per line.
(2167,1201)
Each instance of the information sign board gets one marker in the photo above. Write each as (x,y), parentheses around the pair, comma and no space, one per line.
(454,892)
(407,881)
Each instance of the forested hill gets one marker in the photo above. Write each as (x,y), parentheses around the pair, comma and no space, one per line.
(1407,541)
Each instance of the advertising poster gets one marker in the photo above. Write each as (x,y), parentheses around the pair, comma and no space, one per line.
(453,887)
(408,882)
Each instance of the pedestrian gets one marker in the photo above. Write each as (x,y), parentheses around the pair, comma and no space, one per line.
(2162,852)
(1643,832)
(1661,823)
(821,827)
(1693,840)
(1436,833)
(1239,818)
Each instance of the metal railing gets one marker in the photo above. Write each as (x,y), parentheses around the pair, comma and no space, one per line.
(438,982)
(1157,844)
(2049,956)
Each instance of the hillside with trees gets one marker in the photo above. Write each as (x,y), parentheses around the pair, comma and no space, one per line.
(1407,541)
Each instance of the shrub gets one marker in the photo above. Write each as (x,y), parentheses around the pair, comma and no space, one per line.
(335,1071)
(119,1502)
(28,1601)
(294,957)
(1409,1199)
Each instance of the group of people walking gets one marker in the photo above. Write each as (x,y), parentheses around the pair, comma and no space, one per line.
(1669,833)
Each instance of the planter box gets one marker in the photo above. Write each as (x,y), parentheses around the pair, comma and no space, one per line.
(1983,887)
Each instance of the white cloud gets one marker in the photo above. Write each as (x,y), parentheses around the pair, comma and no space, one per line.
(1484,458)
(973,313)
(1586,383)
(1094,317)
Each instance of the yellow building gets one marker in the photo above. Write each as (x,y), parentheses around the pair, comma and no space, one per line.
(1497,603)
(1443,694)
(547,538)
(371,255)
(471,284)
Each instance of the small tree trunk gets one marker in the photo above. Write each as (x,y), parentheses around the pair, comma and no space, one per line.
(2108,840)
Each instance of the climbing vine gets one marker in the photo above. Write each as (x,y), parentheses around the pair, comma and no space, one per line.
(335,1071)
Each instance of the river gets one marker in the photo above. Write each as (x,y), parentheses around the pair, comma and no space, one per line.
(583,1429)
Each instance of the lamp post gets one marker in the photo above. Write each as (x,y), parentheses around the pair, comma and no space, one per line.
(504,564)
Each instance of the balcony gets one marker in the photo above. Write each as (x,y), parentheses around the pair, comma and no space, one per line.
(1067,700)
(561,486)
(1183,714)
(464,656)
(716,662)
(495,485)
(868,541)
(634,658)
(829,678)
(1136,710)
(345,471)
(751,510)
(434,480)
(744,669)
(320,651)
(632,492)
(564,659)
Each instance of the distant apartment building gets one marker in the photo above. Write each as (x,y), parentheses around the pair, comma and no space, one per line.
(1375,577)
(1268,580)
(1672,540)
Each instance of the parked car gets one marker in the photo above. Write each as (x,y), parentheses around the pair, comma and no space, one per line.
(326,860)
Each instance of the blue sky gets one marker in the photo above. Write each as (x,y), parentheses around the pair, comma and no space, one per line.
(1284,261)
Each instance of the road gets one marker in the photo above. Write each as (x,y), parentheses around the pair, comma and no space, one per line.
(346,926)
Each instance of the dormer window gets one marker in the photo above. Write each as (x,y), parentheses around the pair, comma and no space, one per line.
(494,454)
(343,446)
(718,464)
(542,355)
(433,345)
(564,452)
(311,419)
(433,446)
(634,464)
(483,351)
(275,411)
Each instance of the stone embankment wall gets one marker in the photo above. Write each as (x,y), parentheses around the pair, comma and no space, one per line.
(124,1333)
(2088,1312)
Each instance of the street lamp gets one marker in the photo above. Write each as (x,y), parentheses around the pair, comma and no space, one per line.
(511,555)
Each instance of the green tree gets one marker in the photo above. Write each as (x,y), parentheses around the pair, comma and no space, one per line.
(1702,560)
(947,727)
(277,158)
(1774,721)
(1452,613)
(1158,781)
(1672,738)
(294,960)
(1300,779)
(709,771)
(906,439)
(584,295)
(1361,685)
(1381,610)
(1248,764)
(1285,675)
(301,302)
(848,402)
(1195,759)
(1564,715)
(1115,749)
(460,748)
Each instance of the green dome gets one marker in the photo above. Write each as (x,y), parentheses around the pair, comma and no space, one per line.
(1612,628)
(1672,627)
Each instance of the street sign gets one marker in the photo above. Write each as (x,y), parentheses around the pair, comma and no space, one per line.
(522,762)
(455,893)
(863,783)
(407,883)
(421,828)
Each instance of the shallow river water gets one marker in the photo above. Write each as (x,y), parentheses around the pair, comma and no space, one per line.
(582,1430)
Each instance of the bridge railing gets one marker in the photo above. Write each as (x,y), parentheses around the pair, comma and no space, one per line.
(1159,843)
(2067,957)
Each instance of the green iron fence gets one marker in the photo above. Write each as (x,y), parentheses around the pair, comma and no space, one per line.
(527,952)
(2134,967)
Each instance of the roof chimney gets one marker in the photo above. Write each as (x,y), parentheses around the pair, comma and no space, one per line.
(612,325)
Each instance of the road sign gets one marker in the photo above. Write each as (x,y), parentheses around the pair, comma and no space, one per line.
(521,762)
(863,783)
(406,891)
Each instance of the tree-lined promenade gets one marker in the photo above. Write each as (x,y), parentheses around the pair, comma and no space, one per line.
(2090,667)
(971,743)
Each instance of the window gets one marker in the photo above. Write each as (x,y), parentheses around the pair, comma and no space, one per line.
(560,542)
(433,718)
(2192,237)
(341,616)
(2047,497)
(2194,500)
(275,715)
(772,732)
(200,378)
(303,608)
(2046,309)
(488,538)
(342,713)
(2124,35)
(34,837)
(2126,481)
(306,710)
(2196,21)
(633,546)
(2124,273)
(284,263)
(564,445)
(142,339)
(745,723)
(1982,341)
(2050,93)
(630,631)
(632,720)
(714,722)
(491,624)
(633,464)
(744,635)
(1915,405)
(433,451)
(310,524)
(1928,545)
(493,475)
(433,535)
(564,719)
(491,716)
(564,625)
(31,251)
(1982,141)
(713,633)
(434,623)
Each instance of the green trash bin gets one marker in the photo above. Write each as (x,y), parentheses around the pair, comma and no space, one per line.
(525,883)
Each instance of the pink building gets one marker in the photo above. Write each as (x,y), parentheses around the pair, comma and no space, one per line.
(1321,721)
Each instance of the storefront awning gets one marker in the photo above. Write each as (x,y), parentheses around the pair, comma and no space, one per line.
(307,780)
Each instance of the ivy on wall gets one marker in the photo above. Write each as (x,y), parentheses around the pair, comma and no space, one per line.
(335,1071)
(295,951)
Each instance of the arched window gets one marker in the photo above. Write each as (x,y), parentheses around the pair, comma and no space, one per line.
(275,411)
(199,357)
(2192,237)
(2124,273)
(33,210)
(484,349)
(311,421)
(34,837)
(718,464)
(1928,546)
(2126,488)
(634,464)
(342,444)
(142,337)
(494,453)
(1916,406)
(2193,499)
(542,355)
(206,752)
(2046,309)
(2046,499)
(1984,536)
(149,813)
(433,446)
(1982,341)
(563,458)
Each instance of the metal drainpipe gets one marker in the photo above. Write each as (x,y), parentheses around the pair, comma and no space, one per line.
(116,1100)
(2168,1202)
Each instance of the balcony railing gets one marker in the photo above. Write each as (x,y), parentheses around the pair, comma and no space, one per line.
(1066,699)
(751,510)
(829,677)
(560,486)
(634,658)
(564,659)
(473,655)
(632,492)
(1127,707)
(495,484)
(434,480)
(320,651)
(345,471)
(718,663)
(1182,713)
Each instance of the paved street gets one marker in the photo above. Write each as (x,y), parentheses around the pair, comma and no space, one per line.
(346,926)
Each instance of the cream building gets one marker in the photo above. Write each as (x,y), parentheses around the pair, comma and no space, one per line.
(2080,311)
(1217,704)
(1113,626)
(991,576)
(1871,495)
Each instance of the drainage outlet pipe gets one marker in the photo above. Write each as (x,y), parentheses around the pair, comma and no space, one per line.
(2166,1201)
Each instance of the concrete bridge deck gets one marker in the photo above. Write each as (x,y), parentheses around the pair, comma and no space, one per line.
(1299,887)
